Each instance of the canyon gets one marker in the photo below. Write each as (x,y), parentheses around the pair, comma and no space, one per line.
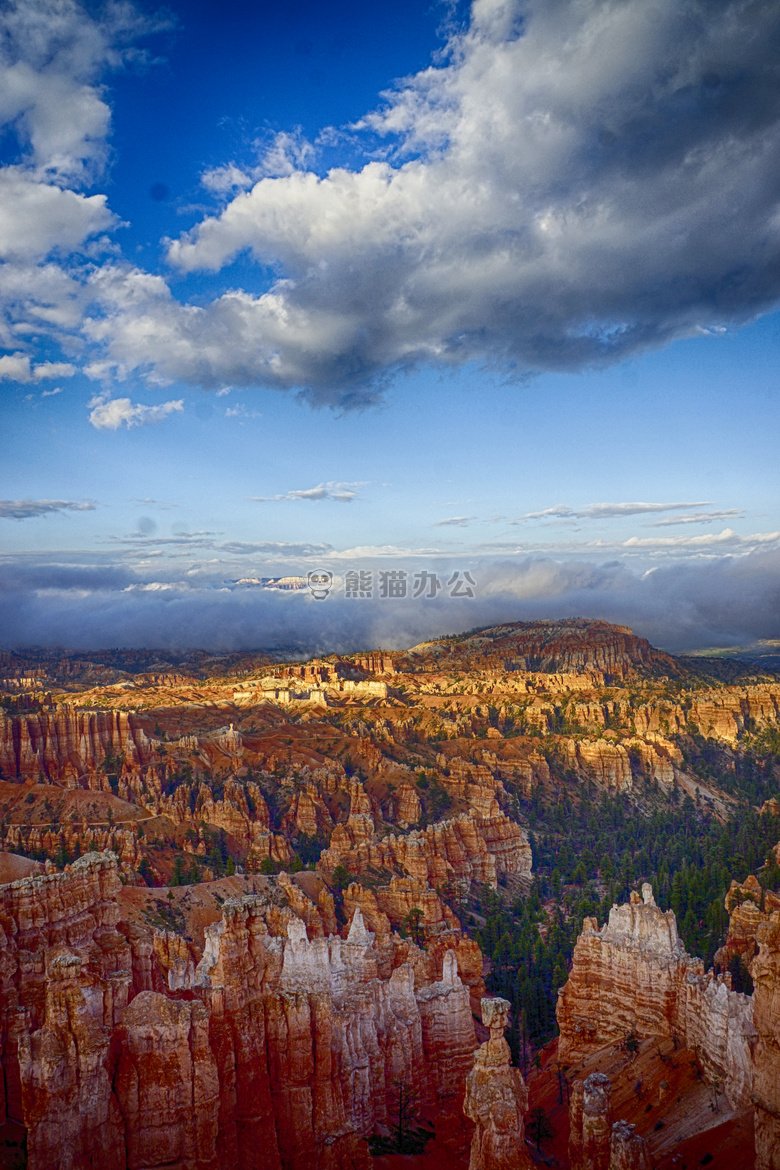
(246,906)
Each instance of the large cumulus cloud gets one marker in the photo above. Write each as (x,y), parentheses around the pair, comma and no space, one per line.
(56,121)
(579,180)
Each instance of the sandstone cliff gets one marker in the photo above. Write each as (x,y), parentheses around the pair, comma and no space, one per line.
(276,1051)
(633,978)
(765,970)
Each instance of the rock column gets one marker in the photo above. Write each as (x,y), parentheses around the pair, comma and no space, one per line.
(496,1099)
(594,1142)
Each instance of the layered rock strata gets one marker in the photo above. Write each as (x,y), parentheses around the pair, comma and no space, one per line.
(496,1099)
(634,978)
(460,850)
(765,970)
(66,744)
(275,1052)
(748,905)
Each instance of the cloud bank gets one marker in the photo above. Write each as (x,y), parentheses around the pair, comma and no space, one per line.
(725,601)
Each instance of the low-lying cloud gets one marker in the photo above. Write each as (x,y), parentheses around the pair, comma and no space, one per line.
(683,606)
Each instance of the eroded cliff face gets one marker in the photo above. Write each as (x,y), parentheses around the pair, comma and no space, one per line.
(634,978)
(748,905)
(765,970)
(276,1051)
(68,745)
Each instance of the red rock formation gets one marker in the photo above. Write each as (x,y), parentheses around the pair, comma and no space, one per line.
(628,1149)
(277,1052)
(765,970)
(463,849)
(608,763)
(496,1099)
(66,745)
(633,977)
(595,1142)
(68,1104)
(576,645)
(748,905)
(166,1085)
(590,1123)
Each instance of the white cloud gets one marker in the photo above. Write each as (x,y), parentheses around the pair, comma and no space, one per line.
(240,411)
(38,217)
(454,521)
(343,493)
(53,370)
(578,181)
(16,367)
(52,55)
(608,511)
(706,540)
(51,393)
(285,153)
(55,122)
(698,518)
(26,509)
(108,414)
(226,179)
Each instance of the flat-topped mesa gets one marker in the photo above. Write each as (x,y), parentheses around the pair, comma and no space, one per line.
(496,1098)
(648,986)
(569,646)
(765,970)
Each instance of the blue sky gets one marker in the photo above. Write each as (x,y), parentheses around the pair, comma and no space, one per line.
(365,286)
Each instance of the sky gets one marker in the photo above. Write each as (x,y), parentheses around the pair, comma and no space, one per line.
(433,290)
